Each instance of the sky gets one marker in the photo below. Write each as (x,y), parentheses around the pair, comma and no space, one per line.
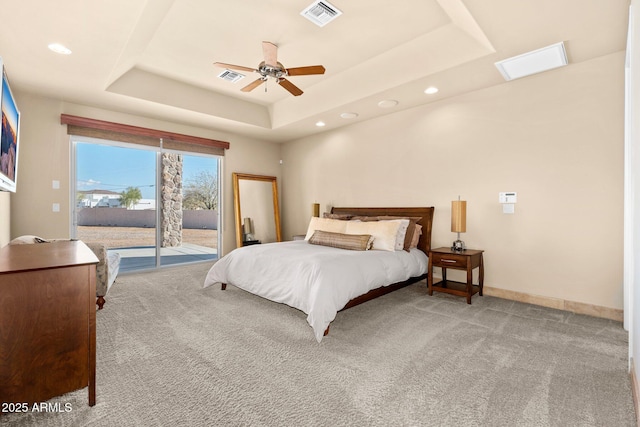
(108,167)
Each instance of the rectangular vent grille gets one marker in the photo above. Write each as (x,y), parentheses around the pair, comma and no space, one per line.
(231,76)
(321,13)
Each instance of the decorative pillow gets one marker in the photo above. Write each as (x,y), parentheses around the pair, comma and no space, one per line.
(325,224)
(364,218)
(416,237)
(384,232)
(416,219)
(344,217)
(402,232)
(354,242)
(27,239)
(413,221)
(410,229)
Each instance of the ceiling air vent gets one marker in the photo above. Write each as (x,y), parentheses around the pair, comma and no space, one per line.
(321,13)
(231,76)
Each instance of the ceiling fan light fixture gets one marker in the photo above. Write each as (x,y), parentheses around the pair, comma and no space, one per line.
(321,12)
(536,61)
(277,72)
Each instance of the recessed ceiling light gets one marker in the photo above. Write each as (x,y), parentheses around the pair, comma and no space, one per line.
(58,48)
(387,103)
(349,115)
(320,124)
(431,90)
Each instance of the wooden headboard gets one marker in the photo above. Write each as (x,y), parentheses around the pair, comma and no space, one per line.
(426,213)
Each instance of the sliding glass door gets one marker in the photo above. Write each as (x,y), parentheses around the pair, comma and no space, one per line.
(189,193)
(153,207)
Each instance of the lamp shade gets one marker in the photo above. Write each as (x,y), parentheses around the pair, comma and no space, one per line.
(316,209)
(459,216)
(247,229)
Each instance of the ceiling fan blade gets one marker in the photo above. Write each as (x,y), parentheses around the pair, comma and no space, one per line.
(295,90)
(251,86)
(270,52)
(305,71)
(234,67)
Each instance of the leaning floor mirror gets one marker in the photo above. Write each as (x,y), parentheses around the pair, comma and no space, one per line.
(255,199)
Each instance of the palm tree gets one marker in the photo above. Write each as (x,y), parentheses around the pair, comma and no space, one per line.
(130,196)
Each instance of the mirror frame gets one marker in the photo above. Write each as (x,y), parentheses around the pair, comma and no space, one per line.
(236,202)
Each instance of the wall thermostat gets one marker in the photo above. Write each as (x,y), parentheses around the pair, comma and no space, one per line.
(508,197)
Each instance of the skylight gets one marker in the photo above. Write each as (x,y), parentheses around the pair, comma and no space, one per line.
(537,61)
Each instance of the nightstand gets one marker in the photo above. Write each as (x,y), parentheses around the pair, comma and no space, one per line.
(466,260)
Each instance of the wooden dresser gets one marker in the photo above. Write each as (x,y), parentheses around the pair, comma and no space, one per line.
(47,321)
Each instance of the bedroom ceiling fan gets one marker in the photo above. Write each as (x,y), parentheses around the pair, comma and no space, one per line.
(270,67)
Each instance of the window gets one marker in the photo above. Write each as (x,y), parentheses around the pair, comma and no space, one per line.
(154,202)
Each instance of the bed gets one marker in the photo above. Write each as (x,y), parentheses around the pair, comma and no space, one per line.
(321,280)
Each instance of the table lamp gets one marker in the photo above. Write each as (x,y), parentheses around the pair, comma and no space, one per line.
(247,228)
(458,222)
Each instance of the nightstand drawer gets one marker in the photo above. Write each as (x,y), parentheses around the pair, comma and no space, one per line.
(449,260)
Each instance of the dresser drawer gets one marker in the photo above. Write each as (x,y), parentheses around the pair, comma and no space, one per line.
(449,260)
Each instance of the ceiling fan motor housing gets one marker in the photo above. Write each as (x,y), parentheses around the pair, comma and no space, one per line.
(277,72)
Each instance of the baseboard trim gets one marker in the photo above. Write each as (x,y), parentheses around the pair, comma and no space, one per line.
(560,304)
(635,391)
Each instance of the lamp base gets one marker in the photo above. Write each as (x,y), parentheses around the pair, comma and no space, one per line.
(458,246)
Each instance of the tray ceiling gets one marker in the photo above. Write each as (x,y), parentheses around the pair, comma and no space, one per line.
(155,58)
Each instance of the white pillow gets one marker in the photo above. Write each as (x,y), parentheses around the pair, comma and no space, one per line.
(402,231)
(325,224)
(384,232)
(27,239)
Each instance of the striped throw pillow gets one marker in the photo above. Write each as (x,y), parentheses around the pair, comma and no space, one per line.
(354,242)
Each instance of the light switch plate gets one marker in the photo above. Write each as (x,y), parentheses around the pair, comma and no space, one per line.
(55,184)
(508,208)
(56,207)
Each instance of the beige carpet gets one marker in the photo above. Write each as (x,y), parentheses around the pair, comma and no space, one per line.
(172,353)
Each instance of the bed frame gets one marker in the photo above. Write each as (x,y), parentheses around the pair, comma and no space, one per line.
(424,244)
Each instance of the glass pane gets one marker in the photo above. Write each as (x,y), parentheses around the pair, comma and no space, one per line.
(189,192)
(116,201)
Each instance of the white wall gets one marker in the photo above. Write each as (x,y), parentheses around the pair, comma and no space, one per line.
(556,138)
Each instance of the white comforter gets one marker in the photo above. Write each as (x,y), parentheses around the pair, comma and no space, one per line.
(318,280)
